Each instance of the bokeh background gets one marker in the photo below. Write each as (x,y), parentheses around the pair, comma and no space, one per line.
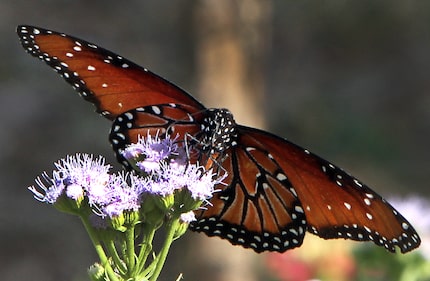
(350,80)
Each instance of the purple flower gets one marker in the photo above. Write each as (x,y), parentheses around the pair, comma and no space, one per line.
(48,189)
(91,174)
(74,176)
(133,150)
(199,182)
(124,194)
(177,177)
(160,187)
(148,153)
(187,217)
(201,188)
(74,191)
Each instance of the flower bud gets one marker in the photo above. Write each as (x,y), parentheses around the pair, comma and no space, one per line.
(67,205)
(184,202)
(96,272)
(182,228)
(165,202)
(151,212)
(131,218)
(184,221)
(117,222)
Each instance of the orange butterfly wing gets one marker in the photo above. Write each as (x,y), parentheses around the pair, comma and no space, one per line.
(278,180)
(112,83)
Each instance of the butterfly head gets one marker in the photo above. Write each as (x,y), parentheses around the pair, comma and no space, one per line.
(219,130)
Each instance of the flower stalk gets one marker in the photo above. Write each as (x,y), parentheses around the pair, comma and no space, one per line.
(171,229)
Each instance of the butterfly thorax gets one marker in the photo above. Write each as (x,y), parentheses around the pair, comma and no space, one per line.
(219,131)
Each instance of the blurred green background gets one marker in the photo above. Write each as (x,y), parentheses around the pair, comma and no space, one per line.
(350,80)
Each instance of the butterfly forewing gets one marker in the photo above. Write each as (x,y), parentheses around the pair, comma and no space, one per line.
(114,84)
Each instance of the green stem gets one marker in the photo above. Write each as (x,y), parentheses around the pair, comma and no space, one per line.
(149,270)
(171,229)
(99,249)
(110,246)
(146,247)
(130,258)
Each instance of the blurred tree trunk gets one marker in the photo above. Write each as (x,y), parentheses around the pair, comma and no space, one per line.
(232,41)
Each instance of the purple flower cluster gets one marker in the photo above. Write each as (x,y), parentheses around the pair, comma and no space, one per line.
(73,176)
(165,169)
(151,153)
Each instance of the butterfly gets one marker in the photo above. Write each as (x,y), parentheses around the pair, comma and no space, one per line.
(274,191)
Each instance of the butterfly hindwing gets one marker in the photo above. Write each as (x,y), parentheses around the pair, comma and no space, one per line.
(258,206)
(336,204)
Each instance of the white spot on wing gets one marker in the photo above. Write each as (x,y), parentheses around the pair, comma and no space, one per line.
(129,115)
(156,109)
(281,177)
